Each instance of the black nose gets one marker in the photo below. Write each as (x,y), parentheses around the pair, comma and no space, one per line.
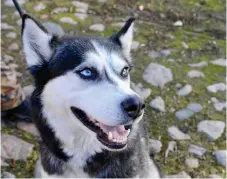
(133,106)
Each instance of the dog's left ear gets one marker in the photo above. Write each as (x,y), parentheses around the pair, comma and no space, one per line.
(125,36)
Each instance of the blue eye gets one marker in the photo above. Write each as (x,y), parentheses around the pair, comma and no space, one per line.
(86,72)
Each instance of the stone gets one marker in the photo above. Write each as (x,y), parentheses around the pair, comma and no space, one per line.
(41,6)
(220,62)
(4,164)
(3,16)
(97,27)
(28,127)
(220,156)
(178,23)
(158,103)
(187,89)
(157,75)
(19,22)
(13,47)
(195,74)
(14,148)
(135,45)
(214,176)
(68,20)
(81,6)
(102,1)
(214,100)
(8,175)
(184,114)
(54,28)
(141,7)
(7,58)
(170,36)
(219,106)
(10,3)
(170,60)
(5,26)
(212,129)
(184,45)
(155,146)
(176,134)
(172,146)
(195,107)
(81,16)
(192,162)
(182,174)
(216,87)
(60,9)
(118,24)
(200,64)
(11,35)
(141,91)
(153,54)
(199,151)
(165,52)
(28,90)
(178,85)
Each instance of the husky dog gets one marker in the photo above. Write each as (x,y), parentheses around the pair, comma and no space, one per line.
(88,117)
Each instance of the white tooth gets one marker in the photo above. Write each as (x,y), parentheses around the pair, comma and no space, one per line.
(110,136)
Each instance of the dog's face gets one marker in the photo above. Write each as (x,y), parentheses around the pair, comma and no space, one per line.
(86,83)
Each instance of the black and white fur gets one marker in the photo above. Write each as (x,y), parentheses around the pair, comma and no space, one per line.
(67,147)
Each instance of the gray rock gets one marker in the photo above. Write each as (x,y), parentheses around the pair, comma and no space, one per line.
(11,35)
(170,36)
(182,174)
(220,62)
(212,129)
(41,6)
(170,60)
(3,16)
(15,148)
(19,22)
(7,58)
(214,100)
(157,75)
(195,74)
(81,6)
(192,162)
(9,3)
(53,28)
(28,90)
(155,146)
(154,54)
(5,26)
(178,23)
(165,52)
(102,1)
(28,127)
(97,27)
(172,146)
(60,9)
(8,175)
(176,134)
(135,45)
(81,16)
(214,176)
(158,103)
(4,164)
(219,106)
(187,89)
(200,64)
(118,24)
(68,20)
(216,87)
(195,107)
(141,91)
(13,47)
(199,151)
(184,114)
(220,156)
(178,85)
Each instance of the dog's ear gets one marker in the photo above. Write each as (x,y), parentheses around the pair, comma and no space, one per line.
(125,36)
(36,41)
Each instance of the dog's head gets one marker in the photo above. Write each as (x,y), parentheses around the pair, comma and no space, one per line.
(85,83)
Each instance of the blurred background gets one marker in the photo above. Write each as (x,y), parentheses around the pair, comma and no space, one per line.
(179,56)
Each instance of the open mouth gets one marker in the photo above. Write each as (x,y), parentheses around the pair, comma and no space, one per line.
(114,137)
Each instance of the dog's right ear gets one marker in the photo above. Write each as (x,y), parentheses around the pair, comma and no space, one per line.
(36,41)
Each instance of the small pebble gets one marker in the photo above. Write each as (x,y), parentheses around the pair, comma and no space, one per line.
(199,151)
(68,20)
(8,175)
(192,162)
(220,62)
(220,156)
(200,64)
(178,23)
(187,89)
(176,134)
(195,74)
(158,103)
(97,27)
(155,146)
(216,87)
(11,35)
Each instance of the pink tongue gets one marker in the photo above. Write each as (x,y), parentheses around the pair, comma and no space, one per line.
(117,131)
